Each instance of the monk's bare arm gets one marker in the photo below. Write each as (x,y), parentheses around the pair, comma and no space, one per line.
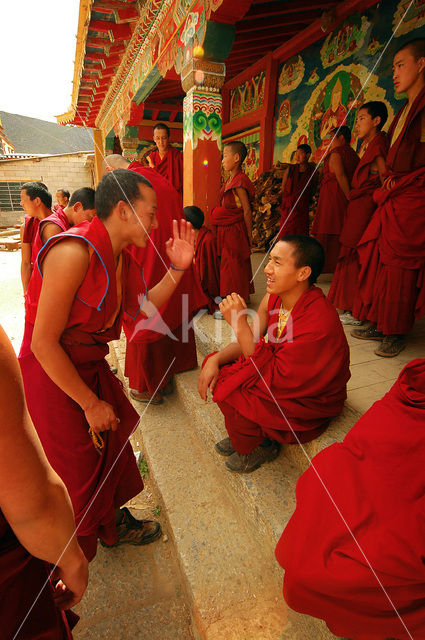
(336,166)
(33,498)
(381,168)
(64,268)
(285,178)
(25,264)
(247,211)
(49,230)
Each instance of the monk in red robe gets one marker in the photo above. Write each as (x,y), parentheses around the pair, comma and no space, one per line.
(62,197)
(163,345)
(392,249)
(232,222)
(36,201)
(353,550)
(84,283)
(289,388)
(205,257)
(338,170)
(37,530)
(368,176)
(298,186)
(167,160)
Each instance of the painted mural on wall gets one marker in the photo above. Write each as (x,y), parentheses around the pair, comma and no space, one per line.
(248,96)
(342,72)
(291,74)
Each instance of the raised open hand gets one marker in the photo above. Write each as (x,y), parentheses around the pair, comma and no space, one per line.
(180,248)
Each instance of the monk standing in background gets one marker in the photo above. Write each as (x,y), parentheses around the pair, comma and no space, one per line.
(285,390)
(168,337)
(368,176)
(37,529)
(233,225)
(298,186)
(167,160)
(392,249)
(85,284)
(205,257)
(62,197)
(36,201)
(338,170)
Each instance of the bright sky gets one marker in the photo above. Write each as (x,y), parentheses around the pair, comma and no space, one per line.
(37,51)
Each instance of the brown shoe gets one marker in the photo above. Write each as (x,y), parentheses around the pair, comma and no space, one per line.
(224,447)
(145,396)
(168,389)
(248,462)
(370,333)
(390,346)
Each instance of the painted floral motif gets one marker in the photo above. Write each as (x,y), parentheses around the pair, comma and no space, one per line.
(407,18)
(313,78)
(202,118)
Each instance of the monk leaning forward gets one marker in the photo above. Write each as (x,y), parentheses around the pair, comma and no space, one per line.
(78,407)
(285,390)
(392,249)
(368,176)
(338,170)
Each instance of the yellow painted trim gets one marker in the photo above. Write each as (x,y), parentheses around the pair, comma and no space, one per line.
(99,153)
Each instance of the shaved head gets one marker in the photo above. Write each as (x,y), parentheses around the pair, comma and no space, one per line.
(114,161)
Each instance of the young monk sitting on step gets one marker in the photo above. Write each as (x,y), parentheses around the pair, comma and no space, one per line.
(284,387)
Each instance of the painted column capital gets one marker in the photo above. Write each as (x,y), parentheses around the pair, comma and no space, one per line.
(203,75)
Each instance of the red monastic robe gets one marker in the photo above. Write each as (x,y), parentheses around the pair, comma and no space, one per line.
(373,485)
(233,246)
(296,198)
(305,371)
(170,166)
(30,234)
(361,206)
(392,248)
(332,205)
(207,266)
(59,218)
(24,580)
(168,337)
(97,484)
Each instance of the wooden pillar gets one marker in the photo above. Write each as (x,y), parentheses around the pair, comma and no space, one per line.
(99,154)
(202,121)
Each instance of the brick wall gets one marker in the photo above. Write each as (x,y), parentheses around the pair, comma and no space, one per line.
(70,171)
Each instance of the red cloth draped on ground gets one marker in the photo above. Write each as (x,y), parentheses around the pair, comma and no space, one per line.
(233,246)
(162,338)
(332,205)
(376,479)
(170,166)
(23,579)
(97,484)
(296,199)
(207,265)
(360,209)
(391,287)
(306,370)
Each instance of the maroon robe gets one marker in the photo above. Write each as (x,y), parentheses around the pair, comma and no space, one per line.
(392,248)
(170,166)
(97,484)
(332,205)
(30,234)
(296,198)
(207,266)
(24,580)
(361,206)
(305,371)
(233,246)
(167,338)
(372,484)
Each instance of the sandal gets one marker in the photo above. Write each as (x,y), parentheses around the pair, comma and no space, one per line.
(168,388)
(145,396)
(133,531)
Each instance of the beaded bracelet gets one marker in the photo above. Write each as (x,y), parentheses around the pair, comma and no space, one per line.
(176,268)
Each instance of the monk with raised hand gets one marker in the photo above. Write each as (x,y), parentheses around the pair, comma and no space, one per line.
(77,405)
(392,248)
(285,390)
(166,160)
(232,222)
(368,177)
(36,201)
(298,185)
(37,529)
(338,170)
